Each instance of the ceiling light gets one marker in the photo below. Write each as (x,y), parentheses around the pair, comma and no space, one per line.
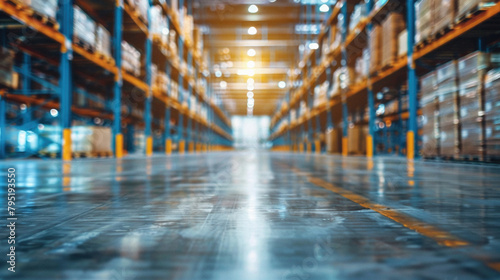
(223,84)
(250,87)
(54,112)
(282,84)
(251,52)
(250,81)
(218,74)
(250,73)
(324,1)
(252,30)
(313,46)
(250,94)
(324,8)
(250,64)
(272,1)
(253,9)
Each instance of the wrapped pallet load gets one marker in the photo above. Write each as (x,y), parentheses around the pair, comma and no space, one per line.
(424,19)
(444,15)
(430,115)
(8,77)
(356,138)
(84,29)
(103,41)
(447,92)
(391,27)
(469,6)
(46,8)
(375,46)
(159,24)
(492,114)
(131,59)
(469,91)
(91,139)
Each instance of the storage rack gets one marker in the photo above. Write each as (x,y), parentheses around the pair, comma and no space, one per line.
(472,33)
(64,68)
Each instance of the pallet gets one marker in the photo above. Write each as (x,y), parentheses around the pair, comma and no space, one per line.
(470,13)
(85,45)
(46,20)
(105,57)
(49,154)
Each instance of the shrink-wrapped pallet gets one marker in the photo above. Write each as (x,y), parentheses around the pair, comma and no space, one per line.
(444,14)
(103,41)
(131,59)
(430,115)
(403,43)
(392,26)
(90,139)
(333,141)
(447,92)
(469,6)
(8,77)
(356,138)
(84,29)
(375,45)
(46,8)
(357,15)
(492,114)
(424,20)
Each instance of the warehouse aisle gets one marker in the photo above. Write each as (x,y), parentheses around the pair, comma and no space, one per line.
(255,215)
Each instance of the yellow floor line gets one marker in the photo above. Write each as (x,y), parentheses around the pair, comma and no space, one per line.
(440,236)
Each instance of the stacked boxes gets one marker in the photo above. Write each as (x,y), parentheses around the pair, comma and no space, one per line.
(90,139)
(320,94)
(446,79)
(471,69)
(159,24)
(356,137)
(84,28)
(7,75)
(333,141)
(468,6)
(142,7)
(424,15)
(403,43)
(492,114)
(391,27)
(46,8)
(444,14)
(375,46)
(361,68)
(103,41)
(131,59)
(430,115)
(357,15)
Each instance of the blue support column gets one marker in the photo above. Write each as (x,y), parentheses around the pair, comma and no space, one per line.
(117,140)
(168,137)
(189,119)
(65,78)
(149,93)
(180,125)
(411,138)
(345,113)
(370,145)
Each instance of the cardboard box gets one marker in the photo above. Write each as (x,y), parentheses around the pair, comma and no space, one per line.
(391,27)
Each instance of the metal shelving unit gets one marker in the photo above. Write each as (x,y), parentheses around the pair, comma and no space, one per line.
(475,30)
(74,69)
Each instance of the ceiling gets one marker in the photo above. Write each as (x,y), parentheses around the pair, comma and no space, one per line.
(226,24)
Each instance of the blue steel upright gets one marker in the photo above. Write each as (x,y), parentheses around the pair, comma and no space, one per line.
(117,141)
(370,145)
(345,113)
(411,138)
(65,78)
(149,93)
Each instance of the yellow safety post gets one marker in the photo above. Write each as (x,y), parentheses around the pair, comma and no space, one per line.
(168,146)
(317,145)
(149,146)
(119,145)
(345,146)
(191,147)
(369,146)
(66,145)
(182,146)
(410,140)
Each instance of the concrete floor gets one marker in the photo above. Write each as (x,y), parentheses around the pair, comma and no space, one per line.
(254,215)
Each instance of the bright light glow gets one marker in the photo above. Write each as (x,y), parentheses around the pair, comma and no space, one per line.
(223,84)
(218,74)
(251,52)
(250,73)
(250,81)
(313,46)
(252,30)
(250,94)
(324,1)
(250,87)
(282,84)
(251,64)
(54,113)
(324,8)
(272,1)
(253,9)
(23,107)
(41,126)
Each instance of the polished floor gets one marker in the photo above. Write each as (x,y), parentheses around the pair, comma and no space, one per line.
(254,215)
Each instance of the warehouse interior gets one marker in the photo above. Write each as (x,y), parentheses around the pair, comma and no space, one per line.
(266,139)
